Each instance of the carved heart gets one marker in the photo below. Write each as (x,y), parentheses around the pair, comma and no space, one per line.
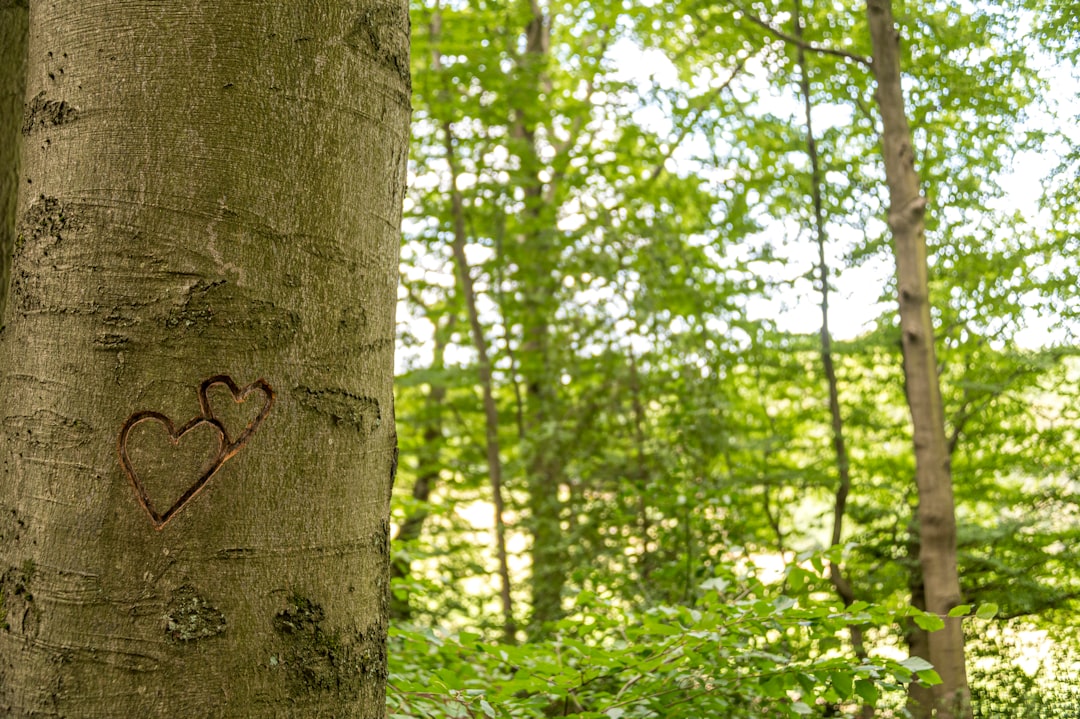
(227,446)
(232,446)
(175,435)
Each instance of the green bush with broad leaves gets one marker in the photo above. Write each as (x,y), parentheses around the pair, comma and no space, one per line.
(743,649)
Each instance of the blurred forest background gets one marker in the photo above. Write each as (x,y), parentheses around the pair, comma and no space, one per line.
(656,454)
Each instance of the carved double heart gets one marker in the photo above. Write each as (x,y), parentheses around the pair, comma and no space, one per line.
(227,445)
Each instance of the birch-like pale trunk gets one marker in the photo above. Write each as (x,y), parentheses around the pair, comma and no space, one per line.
(207,190)
(936,511)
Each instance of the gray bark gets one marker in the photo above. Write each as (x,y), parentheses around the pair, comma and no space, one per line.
(207,189)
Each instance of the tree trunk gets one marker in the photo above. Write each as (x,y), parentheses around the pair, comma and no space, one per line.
(920,703)
(196,373)
(936,513)
(13,35)
(840,583)
(491,411)
(493,453)
(539,258)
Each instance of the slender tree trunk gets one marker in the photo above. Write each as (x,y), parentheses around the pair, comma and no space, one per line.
(920,703)
(13,36)
(210,197)
(936,512)
(539,257)
(641,475)
(491,411)
(476,331)
(843,465)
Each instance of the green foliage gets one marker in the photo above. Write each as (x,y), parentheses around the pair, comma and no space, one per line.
(639,243)
(1002,687)
(742,650)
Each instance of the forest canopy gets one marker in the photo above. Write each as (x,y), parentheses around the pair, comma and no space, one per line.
(691,292)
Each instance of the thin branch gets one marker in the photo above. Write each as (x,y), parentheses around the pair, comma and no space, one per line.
(798,42)
(562,148)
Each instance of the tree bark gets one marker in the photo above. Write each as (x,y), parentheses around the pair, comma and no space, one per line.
(920,702)
(13,35)
(936,512)
(210,196)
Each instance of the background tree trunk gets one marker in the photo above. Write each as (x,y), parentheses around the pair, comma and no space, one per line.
(13,25)
(936,512)
(841,583)
(540,254)
(206,190)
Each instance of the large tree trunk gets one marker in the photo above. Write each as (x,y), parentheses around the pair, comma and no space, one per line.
(13,24)
(936,513)
(207,190)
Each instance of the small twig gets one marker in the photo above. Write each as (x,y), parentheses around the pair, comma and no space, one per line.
(781,35)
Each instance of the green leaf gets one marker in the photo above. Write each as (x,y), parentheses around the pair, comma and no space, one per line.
(717,583)
(929,677)
(843,683)
(774,686)
(916,664)
(487,708)
(807,682)
(585,598)
(783,603)
(987,611)
(929,622)
(867,690)
(801,708)
(960,610)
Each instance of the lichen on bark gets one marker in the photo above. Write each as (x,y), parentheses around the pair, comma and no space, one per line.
(191,617)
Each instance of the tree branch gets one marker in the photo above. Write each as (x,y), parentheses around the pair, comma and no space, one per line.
(781,35)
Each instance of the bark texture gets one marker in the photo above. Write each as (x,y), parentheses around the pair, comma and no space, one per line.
(13,27)
(207,189)
(936,511)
